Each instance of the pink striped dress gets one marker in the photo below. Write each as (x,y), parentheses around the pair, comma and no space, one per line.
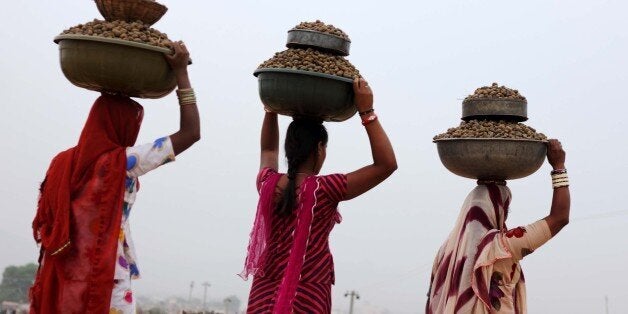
(313,291)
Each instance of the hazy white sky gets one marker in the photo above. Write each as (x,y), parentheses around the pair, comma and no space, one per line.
(192,217)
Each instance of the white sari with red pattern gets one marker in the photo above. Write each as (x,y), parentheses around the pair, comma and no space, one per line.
(477,269)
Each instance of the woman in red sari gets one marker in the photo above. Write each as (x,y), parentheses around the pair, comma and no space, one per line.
(288,253)
(87,258)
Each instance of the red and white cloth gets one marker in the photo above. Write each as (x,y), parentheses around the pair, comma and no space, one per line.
(477,269)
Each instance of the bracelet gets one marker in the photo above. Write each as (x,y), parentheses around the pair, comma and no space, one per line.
(560,180)
(559,176)
(363,113)
(368,120)
(558,171)
(186,96)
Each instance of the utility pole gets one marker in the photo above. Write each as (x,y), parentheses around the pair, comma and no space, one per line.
(190,295)
(354,295)
(227,305)
(606,303)
(206,285)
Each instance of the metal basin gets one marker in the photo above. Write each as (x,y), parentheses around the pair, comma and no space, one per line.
(304,93)
(491,159)
(299,38)
(500,109)
(116,66)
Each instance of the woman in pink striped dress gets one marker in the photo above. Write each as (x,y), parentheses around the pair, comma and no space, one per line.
(477,269)
(288,253)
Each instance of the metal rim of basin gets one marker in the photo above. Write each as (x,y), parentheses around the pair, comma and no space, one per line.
(492,139)
(508,109)
(309,38)
(112,41)
(500,161)
(116,41)
(281,70)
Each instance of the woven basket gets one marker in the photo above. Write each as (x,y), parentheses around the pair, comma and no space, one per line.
(147,11)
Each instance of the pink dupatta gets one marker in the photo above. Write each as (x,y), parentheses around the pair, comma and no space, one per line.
(258,241)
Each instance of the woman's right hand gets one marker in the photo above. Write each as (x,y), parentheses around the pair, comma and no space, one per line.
(555,154)
(363,95)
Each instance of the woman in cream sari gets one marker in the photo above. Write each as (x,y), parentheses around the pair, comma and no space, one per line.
(477,269)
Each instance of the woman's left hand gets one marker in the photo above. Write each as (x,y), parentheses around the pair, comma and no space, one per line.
(363,95)
(181,57)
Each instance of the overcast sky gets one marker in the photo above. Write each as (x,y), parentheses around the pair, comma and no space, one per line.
(192,218)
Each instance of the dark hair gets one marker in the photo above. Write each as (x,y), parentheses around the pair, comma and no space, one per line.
(302,140)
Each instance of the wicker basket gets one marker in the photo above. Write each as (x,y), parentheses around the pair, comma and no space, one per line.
(147,11)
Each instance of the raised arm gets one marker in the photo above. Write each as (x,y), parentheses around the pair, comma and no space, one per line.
(269,142)
(384,161)
(559,213)
(190,125)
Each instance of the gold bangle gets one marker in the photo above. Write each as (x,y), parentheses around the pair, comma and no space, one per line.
(186,96)
(185,90)
(190,102)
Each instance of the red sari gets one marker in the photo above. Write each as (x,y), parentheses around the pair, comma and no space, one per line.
(79,212)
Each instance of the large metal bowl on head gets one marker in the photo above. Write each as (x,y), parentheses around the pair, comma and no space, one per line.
(304,93)
(491,158)
(495,109)
(300,38)
(115,66)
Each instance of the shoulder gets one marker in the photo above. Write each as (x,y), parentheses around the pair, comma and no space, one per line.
(334,181)
(264,173)
(334,185)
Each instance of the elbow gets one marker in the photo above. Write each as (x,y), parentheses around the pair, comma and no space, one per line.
(196,136)
(563,222)
(391,167)
(193,135)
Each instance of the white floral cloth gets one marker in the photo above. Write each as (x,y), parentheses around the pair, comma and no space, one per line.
(140,160)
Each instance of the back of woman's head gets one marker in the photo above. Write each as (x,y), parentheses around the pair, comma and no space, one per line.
(302,141)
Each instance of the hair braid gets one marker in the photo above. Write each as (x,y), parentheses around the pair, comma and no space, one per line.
(302,140)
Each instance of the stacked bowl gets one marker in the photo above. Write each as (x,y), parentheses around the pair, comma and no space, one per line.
(311,78)
(491,143)
(121,55)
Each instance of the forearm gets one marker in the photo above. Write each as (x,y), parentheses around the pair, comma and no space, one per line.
(269,142)
(189,124)
(559,211)
(270,133)
(381,148)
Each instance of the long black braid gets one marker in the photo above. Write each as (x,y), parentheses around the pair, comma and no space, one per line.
(302,140)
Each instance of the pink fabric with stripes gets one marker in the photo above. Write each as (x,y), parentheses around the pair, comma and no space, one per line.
(461,275)
(298,263)
(258,238)
(288,287)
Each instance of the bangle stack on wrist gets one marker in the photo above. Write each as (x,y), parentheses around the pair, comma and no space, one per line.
(365,112)
(368,116)
(559,178)
(186,96)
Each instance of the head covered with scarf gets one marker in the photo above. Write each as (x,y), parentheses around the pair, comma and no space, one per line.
(462,269)
(112,125)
